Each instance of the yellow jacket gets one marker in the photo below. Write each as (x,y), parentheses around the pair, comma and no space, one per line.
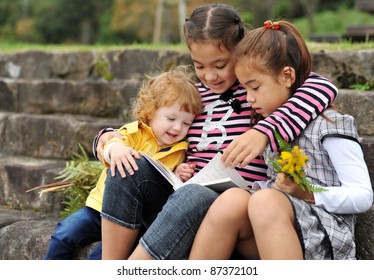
(139,136)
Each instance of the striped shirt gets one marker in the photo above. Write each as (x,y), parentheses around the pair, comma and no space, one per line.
(315,95)
(218,125)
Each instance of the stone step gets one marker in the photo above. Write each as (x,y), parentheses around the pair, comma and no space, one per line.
(85,65)
(19,174)
(56,135)
(359,104)
(113,100)
(49,136)
(367,144)
(54,96)
(25,235)
(56,138)
(364,235)
(343,68)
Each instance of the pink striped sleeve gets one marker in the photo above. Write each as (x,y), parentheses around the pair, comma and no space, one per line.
(315,95)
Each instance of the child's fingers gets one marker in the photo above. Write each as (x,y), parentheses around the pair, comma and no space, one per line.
(117,164)
(130,164)
(135,154)
(186,175)
(121,170)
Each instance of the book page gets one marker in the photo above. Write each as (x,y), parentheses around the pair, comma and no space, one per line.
(216,173)
(164,171)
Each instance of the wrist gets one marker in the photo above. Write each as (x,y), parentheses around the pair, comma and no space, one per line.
(107,152)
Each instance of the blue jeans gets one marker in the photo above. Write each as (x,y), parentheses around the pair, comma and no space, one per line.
(81,228)
(171,235)
(135,200)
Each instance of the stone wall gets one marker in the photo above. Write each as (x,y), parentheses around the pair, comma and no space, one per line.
(51,101)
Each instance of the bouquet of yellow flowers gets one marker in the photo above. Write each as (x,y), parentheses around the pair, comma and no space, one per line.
(292,161)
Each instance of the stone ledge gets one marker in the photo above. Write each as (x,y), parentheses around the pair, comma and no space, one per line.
(24,235)
(56,96)
(344,68)
(80,65)
(49,136)
(18,174)
(364,235)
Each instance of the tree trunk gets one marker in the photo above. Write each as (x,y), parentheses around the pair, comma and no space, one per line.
(158,22)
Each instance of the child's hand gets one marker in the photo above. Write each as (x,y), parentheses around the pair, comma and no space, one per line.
(121,155)
(104,139)
(244,148)
(184,171)
(287,185)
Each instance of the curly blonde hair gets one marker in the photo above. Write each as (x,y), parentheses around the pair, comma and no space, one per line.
(165,89)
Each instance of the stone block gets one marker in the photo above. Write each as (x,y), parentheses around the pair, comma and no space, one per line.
(25,235)
(360,105)
(49,136)
(89,98)
(77,65)
(367,144)
(7,99)
(28,65)
(18,174)
(364,235)
(345,68)
(134,64)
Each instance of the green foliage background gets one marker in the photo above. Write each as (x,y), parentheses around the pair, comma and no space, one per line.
(81,174)
(132,21)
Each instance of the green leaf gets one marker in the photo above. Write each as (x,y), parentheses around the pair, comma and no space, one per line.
(283,145)
(84,174)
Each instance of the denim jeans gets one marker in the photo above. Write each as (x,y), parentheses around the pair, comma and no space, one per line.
(135,200)
(171,235)
(77,230)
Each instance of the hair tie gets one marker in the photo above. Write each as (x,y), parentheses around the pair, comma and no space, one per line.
(272,25)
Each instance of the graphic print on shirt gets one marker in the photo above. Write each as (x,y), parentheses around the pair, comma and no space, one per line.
(207,141)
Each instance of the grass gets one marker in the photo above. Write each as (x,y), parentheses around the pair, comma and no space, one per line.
(313,47)
(17,47)
(326,22)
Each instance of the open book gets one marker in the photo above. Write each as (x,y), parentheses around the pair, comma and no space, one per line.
(214,175)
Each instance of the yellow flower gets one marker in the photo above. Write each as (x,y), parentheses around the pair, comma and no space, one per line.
(292,162)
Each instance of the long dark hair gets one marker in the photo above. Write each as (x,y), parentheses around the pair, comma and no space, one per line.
(215,22)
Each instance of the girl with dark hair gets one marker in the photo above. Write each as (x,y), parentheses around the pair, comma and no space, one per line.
(278,219)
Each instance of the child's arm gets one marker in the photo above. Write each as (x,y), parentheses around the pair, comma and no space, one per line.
(315,95)
(355,194)
(101,138)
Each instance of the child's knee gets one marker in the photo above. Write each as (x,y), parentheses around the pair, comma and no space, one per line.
(269,204)
(230,205)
